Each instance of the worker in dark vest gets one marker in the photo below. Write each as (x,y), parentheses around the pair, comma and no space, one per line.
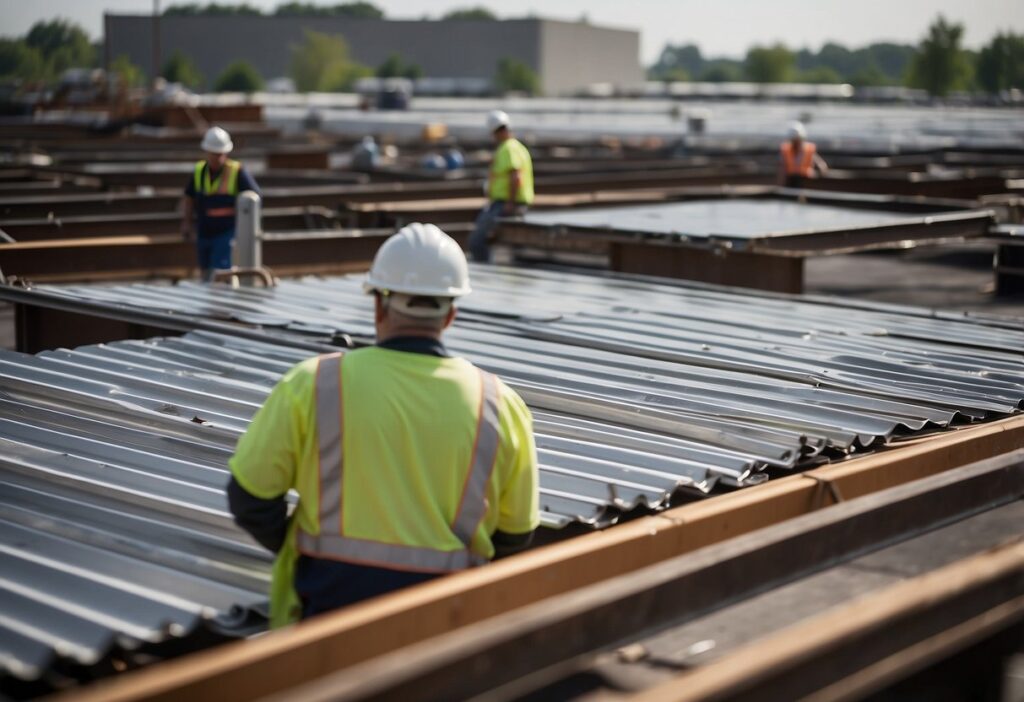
(209,203)
(799,159)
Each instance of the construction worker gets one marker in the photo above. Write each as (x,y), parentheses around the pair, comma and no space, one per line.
(409,463)
(509,185)
(799,158)
(209,203)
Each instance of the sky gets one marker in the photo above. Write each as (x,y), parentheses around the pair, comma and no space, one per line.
(718,27)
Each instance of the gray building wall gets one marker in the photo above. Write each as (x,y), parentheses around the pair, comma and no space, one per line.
(574,55)
(452,49)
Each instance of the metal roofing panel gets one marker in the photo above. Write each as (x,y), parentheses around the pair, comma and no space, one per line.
(113,523)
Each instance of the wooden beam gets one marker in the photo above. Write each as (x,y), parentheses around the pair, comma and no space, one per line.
(283,659)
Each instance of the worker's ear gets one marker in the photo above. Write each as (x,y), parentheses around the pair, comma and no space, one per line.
(379,310)
(450,317)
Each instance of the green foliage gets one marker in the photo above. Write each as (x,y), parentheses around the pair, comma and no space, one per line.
(179,68)
(677,74)
(395,67)
(722,71)
(63,39)
(46,51)
(875,64)
(820,75)
(515,76)
(131,75)
(771,64)
(192,9)
(940,64)
(869,77)
(676,61)
(322,63)
(17,60)
(1001,64)
(62,45)
(355,10)
(470,13)
(239,77)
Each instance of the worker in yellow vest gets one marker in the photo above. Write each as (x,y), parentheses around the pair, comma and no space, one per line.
(409,463)
(799,158)
(209,202)
(509,184)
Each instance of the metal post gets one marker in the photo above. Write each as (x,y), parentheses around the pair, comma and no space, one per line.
(248,231)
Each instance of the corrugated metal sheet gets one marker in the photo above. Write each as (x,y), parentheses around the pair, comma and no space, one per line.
(113,457)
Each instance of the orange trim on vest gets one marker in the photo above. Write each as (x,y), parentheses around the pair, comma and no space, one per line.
(805,166)
(220,212)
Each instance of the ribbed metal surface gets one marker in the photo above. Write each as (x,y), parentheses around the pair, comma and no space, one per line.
(114,537)
(113,457)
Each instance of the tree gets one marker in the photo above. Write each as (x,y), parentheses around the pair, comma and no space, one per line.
(391,68)
(892,60)
(820,75)
(869,77)
(131,75)
(18,60)
(62,45)
(773,64)
(470,13)
(355,10)
(1001,63)
(395,67)
(239,77)
(722,71)
(515,76)
(677,74)
(322,63)
(940,64)
(179,69)
(212,9)
(676,61)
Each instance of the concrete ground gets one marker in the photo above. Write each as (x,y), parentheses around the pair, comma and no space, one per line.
(947,277)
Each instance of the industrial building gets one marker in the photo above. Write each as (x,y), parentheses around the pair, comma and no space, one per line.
(567,57)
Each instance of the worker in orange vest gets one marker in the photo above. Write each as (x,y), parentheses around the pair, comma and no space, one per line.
(799,158)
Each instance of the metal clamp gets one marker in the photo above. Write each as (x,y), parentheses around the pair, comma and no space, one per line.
(825,485)
(234,274)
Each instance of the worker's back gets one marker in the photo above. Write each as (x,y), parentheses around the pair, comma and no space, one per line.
(410,429)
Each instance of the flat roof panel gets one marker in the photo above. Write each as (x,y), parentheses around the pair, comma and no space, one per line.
(729,218)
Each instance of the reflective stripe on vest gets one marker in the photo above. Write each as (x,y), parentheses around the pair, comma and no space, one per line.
(805,167)
(331,543)
(222,185)
(220,212)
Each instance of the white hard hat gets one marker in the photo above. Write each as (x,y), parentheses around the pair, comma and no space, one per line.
(421,261)
(797,130)
(217,141)
(496,119)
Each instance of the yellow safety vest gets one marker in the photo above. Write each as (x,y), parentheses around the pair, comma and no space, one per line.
(226,183)
(403,461)
(510,156)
